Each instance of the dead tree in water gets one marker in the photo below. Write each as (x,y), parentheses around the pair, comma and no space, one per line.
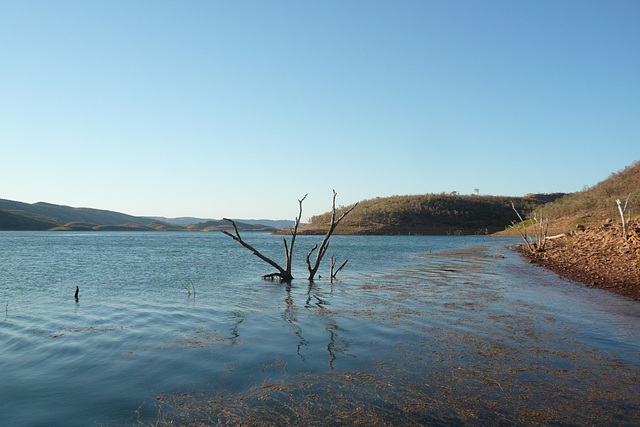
(283,273)
(333,272)
(325,242)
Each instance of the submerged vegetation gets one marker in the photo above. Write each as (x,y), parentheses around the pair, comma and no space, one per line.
(459,351)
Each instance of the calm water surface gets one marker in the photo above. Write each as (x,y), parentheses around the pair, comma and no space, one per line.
(469,327)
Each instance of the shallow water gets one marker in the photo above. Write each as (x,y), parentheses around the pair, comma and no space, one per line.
(460,336)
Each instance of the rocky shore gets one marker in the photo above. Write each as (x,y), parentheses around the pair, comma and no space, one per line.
(598,256)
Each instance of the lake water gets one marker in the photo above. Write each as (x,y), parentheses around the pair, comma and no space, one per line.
(417,329)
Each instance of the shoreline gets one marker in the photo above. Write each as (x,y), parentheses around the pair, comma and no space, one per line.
(598,257)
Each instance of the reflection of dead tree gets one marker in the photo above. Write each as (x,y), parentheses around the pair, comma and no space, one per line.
(332,344)
(238,318)
(291,317)
(325,242)
(283,273)
(337,344)
(320,303)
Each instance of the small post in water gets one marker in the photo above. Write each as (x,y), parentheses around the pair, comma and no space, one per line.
(76,294)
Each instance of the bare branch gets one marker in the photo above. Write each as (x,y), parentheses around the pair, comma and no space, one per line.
(285,273)
(626,202)
(524,237)
(286,251)
(540,231)
(282,273)
(521,221)
(293,236)
(340,268)
(621,210)
(309,256)
(333,265)
(186,284)
(324,245)
(333,273)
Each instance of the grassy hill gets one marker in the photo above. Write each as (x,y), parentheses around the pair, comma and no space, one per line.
(429,214)
(47,216)
(60,214)
(415,214)
(11,221)
(192,220)
(596,203)
(471,214)
(215,225)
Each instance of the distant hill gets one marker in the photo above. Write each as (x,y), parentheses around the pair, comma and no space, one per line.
(185,220)
(83,226)
(415,214)
(214,225)
(60,214)
(10,221)
(429,214)
(545,198)
(275,223)
(47,216)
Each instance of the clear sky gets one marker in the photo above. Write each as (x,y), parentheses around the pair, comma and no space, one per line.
(239,108)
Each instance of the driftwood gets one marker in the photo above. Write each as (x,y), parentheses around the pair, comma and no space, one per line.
(557,236)
(324,245)
(283,273)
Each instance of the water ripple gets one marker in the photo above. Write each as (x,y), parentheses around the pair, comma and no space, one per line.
(477,329)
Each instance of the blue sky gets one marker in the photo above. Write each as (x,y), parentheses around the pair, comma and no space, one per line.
(239,108)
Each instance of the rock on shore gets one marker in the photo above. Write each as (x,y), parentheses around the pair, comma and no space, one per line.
(596,256)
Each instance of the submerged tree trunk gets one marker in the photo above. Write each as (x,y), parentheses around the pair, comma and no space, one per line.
(325,242)
(283,273)
(333,272)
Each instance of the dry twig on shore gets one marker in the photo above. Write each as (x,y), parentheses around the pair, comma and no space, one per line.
(622,211)
(540,231)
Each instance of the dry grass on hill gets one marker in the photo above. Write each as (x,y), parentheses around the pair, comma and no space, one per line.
(596,203)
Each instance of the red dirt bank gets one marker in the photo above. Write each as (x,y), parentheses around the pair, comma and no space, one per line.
(598,256)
